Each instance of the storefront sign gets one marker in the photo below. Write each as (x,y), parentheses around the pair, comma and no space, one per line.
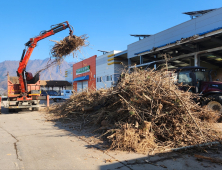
(82,70)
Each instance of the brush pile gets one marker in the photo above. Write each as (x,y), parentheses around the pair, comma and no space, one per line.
(145,111)
(68,45)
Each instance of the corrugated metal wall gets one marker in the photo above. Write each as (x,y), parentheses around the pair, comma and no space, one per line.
(192,27)
(103,70)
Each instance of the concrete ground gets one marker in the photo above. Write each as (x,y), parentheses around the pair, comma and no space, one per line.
(29,141)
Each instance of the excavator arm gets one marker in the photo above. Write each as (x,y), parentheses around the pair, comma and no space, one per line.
(31,44)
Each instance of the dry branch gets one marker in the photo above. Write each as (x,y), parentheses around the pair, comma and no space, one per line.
(62,48)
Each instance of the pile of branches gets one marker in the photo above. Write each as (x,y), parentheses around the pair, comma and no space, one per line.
(68,45)
(144,111)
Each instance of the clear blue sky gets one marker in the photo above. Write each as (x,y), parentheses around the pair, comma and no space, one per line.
(108,23)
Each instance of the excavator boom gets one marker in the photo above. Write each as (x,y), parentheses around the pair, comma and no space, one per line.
(31,44)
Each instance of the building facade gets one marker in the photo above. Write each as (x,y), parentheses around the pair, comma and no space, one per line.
(84,74)
(195,42)
(109,66)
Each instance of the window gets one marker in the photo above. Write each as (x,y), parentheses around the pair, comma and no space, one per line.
(99,79)
(109,78)
(200,76)
(184,77)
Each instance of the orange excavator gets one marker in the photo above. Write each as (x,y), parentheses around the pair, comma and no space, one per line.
(24,90)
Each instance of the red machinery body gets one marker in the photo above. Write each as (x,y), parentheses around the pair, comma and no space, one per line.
(17,101)
(14,89)
(207,87)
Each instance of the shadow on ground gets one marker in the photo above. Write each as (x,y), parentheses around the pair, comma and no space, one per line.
(172,161)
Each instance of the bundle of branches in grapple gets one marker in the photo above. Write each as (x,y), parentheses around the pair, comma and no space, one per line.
(68,45)
(145,110)
(62,48)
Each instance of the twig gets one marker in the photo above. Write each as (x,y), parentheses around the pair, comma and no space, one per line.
(189,114)
(130,106)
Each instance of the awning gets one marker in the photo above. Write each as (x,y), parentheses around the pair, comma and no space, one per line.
(82,78)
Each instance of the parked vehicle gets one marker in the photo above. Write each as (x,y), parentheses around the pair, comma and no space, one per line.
(16,101)
(194,79)
(65,94)
(50,93)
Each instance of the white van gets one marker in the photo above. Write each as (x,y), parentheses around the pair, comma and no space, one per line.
(65,94)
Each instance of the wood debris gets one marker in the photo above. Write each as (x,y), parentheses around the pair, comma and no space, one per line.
(62,48)
(68,45)
(214,160)
(146,111)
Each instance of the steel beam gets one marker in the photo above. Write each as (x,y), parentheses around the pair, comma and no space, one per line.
(141,59)
(188,48)
(129,62)
(217,40)
(189,55)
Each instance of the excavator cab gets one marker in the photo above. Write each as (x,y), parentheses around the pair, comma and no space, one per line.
(191,78)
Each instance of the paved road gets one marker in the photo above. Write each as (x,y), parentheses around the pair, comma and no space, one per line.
(29,141)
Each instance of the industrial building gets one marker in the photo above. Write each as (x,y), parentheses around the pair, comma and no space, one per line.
(196,42)
(109,67)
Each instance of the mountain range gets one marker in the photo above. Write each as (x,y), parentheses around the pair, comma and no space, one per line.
(53,73)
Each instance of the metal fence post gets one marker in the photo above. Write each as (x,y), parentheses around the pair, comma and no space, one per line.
(47,99)
(0,104)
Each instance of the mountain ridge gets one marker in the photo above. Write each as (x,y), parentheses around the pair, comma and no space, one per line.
(33,66)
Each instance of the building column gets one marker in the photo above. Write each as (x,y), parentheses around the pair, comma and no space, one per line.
(190,63)
(196,60)
(141,59)
(129,62)
(155,65)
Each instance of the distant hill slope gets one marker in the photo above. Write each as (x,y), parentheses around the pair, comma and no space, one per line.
(53,73)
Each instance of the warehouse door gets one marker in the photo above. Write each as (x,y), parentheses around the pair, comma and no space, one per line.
(79,86)
(85,85)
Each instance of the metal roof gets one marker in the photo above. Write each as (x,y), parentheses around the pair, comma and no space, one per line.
(54,83)
(182,41)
